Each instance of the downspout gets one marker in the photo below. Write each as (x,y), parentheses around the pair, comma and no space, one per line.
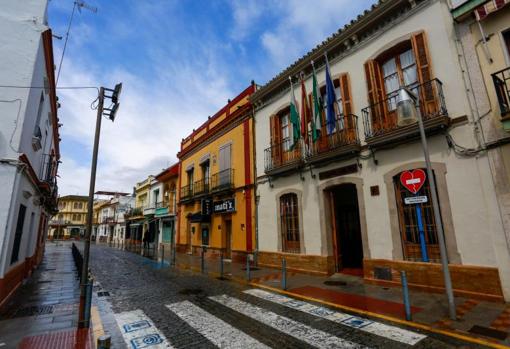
(255,186)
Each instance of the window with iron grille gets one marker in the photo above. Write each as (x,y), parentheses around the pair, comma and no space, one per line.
(289,223)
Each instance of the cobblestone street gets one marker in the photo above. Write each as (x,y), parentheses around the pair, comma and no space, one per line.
(181,309)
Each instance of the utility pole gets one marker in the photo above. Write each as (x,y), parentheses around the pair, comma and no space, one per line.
(86,284)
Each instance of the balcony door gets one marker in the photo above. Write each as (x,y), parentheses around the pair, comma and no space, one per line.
(225,164)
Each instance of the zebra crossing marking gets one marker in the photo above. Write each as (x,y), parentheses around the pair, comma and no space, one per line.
(305,333)
(214,329)
(377,328)
(139,331)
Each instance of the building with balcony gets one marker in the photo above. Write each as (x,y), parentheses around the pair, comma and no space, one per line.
(166,209)
(69,222)
(111,208)
(336,203)
(216,209)
(137,218)
(29,140)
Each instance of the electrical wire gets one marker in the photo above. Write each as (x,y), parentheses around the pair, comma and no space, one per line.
(65,42)
(56,88)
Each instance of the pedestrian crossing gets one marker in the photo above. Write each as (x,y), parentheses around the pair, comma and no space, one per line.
(365,325)
(139,331)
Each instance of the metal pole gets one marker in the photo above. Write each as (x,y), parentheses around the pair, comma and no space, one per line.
(162,255)
(248,276)
(221,265)
(439,223)
(202,265)
(284,274)
(405,292)
(83,318)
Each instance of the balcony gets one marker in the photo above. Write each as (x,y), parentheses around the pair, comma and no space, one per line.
(186,192)
(501,81)
(380,119)
(134,212)
(149,209)
(282,157)
(201,187)
(342,142)
(222,181)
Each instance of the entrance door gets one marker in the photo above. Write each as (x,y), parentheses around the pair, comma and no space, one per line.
(228,239)
(348,247)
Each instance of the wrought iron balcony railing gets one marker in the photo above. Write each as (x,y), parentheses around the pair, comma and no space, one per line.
(201,187)
(282,156)
(501,81)
(380,119)
(334,140)
(186,192)
(222,180)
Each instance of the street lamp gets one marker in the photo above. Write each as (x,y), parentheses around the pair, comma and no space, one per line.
(408,113)
(86,285)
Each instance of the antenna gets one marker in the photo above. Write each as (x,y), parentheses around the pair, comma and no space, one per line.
(81,4)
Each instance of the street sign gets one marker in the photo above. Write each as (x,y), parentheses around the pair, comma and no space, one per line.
(413,180)
(415,200)
(224,206)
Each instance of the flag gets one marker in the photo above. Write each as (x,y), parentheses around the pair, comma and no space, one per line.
(294,116)
(305,111)
(330,101)
(316,119)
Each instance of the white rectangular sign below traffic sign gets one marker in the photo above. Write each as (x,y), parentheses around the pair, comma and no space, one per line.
(415,200)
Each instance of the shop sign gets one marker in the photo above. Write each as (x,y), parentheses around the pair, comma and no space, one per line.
(413,180)
(415,200)
(225,206)
(206,207)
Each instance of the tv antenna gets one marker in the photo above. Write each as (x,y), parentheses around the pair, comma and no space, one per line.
(77,4)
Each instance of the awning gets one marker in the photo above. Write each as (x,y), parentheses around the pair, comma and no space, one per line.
(492,6)
(134,225)
(199,218)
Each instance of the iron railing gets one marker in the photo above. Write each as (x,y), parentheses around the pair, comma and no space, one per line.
(222,180)
(186,192)
(501,81)
(381,117)
(342,133)
(201,187)
(282,154)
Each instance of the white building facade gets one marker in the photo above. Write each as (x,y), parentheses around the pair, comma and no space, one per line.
(29,141)
(338,204)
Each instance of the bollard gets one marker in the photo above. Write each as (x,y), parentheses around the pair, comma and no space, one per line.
(104,342)
(174,255)
(221,265)
(162,255)
(284,274)
(248,276)
(202,265)
(405,292)
(88,301)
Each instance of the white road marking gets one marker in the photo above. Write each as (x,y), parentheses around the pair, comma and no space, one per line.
(2,344)
(216,330)
(139,331)
(305,333)
(383,330)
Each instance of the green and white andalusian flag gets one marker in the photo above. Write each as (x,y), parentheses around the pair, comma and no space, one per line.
(294,117)
(316,118)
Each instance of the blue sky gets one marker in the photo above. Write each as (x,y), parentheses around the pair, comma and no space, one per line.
(179,61)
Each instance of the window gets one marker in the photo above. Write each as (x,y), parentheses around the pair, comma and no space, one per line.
(506,38)
(285,131)
(190,179)
(60,216)
(37,136)
(339,109)
(206,171)
(225,159)
(399,70)
(61,205)
(289,223)
(409,226)
(18,234)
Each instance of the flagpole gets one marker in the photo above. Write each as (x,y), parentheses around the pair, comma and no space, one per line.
(303,121)
(316,95)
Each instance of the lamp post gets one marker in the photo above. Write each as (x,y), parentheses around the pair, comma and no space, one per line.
(86,285)
(407,113)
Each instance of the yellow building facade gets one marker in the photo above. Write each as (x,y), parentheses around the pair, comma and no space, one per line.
(70,219)
(216,196)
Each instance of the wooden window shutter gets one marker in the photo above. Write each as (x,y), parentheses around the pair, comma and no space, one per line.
(375,87)
(345,90)
(423,66)
(275,139)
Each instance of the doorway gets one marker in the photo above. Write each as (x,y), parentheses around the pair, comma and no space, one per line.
(346,229)
(228,239)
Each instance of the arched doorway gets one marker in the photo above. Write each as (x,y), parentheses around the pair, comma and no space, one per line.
(346,229)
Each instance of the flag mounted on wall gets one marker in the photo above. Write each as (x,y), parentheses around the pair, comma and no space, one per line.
(330,100)
(317,106)
(305,110)
(294,117)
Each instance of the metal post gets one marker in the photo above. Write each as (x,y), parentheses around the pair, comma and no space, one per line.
(421,232)
(202,265)
(174,255)
(284,274)
(248,276)
(439,223)
(405,293)
(221,265)
(84,316)
(104,342)
(162,255)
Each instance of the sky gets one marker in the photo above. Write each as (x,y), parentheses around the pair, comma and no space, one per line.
(179,62)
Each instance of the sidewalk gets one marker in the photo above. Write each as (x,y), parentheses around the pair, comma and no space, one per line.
(43,313)
(482,321)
